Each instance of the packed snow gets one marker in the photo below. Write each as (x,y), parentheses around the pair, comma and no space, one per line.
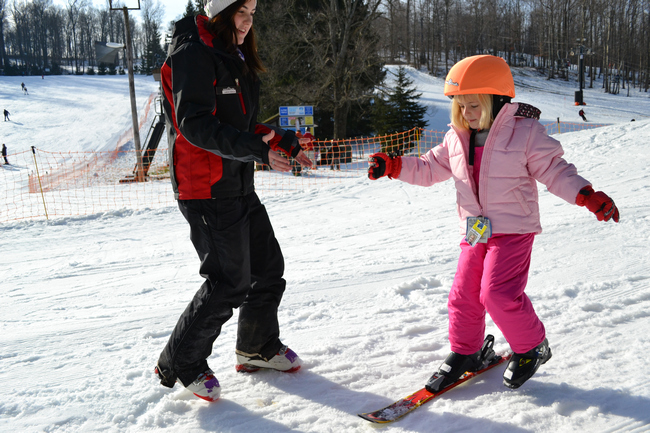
(87,303)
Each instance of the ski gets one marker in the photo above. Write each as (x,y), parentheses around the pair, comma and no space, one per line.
(401,407)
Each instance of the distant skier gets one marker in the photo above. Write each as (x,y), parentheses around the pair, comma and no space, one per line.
(7,115)
(582,114)
(4,152)
(22,86)
(496,152)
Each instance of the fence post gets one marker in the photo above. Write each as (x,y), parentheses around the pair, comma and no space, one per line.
(558,126)
(39,182)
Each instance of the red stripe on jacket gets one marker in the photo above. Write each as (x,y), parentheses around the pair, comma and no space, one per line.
(195,169)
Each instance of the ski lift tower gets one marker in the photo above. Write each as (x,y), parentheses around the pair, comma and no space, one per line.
(139,174)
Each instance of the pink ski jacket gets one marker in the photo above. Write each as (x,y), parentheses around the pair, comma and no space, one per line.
(517,153)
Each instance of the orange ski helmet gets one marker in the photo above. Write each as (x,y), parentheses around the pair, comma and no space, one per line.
(480,74)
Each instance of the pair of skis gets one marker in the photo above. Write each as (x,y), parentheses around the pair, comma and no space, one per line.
(401,407)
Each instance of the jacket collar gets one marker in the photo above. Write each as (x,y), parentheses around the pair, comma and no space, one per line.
(209,39)
(513,109)
(204,34)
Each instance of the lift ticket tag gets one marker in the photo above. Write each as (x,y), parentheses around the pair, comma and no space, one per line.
(478,230)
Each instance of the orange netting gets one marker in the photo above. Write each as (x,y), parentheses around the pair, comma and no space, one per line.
(40,183)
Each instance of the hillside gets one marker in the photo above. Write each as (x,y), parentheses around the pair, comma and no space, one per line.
(87,303)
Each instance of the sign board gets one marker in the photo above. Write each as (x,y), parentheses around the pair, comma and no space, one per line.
(298,117)
(297,110)
(292,120)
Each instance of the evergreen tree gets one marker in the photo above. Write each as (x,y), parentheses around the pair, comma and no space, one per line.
(193,8)
(397,110)
(153,55)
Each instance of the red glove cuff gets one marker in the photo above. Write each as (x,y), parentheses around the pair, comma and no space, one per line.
(598,203)
(394,167)
(581,199)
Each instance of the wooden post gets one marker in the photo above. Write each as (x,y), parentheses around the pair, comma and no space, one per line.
(139,172)
(139,177)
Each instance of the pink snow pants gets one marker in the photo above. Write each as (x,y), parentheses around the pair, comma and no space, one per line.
(492,277)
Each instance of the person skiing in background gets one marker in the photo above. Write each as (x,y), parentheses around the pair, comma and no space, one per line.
(211,101)
(495,151)
(6,113)
(581,113)
(4,153)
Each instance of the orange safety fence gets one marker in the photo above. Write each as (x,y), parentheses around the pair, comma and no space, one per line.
(43,184)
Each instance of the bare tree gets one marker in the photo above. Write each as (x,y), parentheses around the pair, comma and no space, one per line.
(324,53)
(347,53)
(3,52)
(74,8)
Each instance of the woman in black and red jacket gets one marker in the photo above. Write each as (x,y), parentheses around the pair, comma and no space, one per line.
(211,101)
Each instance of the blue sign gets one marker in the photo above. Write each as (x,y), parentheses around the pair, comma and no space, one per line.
(297,110)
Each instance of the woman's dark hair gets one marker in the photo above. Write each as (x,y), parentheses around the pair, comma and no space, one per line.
(222,26)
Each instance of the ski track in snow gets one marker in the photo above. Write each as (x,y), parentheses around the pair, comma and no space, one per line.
(87,303)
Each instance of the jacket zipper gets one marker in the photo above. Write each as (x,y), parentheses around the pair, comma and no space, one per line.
(460,134)
(485,162)
(241,98)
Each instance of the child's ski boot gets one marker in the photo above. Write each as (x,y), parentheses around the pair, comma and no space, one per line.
(523,365)
(456,365)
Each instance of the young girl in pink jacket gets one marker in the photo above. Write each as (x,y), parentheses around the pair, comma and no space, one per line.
(495,151)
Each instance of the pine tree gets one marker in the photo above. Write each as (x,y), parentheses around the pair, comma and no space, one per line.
(153,55)
(193,8)
(397,110)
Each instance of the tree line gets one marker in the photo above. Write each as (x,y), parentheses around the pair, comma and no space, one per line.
(38,37)
(613,36)
(331,53)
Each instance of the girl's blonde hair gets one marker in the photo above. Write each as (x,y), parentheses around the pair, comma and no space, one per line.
(485,101)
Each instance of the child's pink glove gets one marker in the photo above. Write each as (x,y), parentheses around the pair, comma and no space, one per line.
(599,203)
(380,165)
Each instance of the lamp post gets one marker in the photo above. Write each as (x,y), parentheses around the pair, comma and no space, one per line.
(581,73)
(139,174)
(581,68)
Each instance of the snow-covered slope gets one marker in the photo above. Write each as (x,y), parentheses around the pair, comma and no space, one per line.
(87,303)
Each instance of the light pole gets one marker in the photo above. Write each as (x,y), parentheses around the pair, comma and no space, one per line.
(139,174)
(581,68)
(581,73)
